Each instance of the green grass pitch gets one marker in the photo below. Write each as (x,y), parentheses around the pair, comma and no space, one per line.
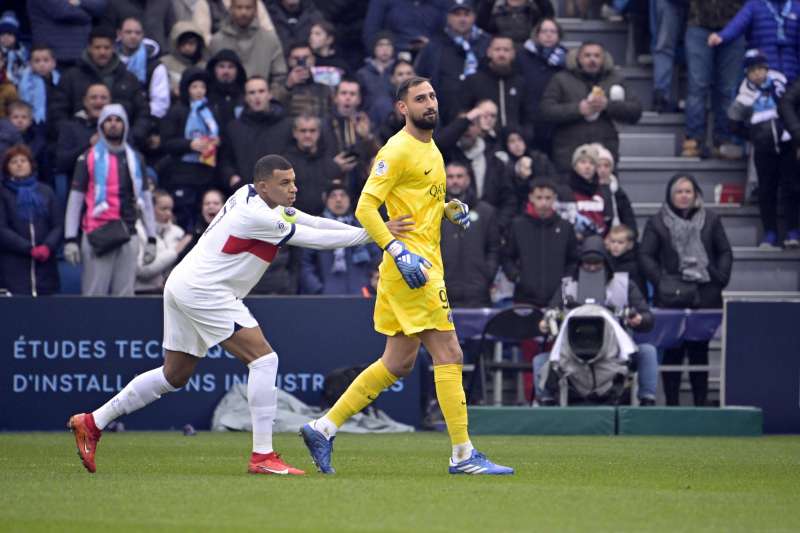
(167,482)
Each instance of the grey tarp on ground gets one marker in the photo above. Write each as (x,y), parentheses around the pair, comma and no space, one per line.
(232,414)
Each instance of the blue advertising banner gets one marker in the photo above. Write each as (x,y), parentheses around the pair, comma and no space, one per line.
(64,355)
(762,361)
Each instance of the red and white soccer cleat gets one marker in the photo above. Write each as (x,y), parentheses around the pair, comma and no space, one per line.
(271,463)
(86,438)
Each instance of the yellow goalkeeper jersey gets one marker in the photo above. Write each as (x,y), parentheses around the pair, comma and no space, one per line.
(409,177)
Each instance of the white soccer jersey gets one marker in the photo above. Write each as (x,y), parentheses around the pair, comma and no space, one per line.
(243,239)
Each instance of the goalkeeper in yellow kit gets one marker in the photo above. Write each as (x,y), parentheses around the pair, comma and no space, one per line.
(411,306)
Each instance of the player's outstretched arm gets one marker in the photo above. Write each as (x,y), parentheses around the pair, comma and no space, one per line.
(328,239)
(295,216)
(370,218)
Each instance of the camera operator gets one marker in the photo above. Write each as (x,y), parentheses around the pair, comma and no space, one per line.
(621,294)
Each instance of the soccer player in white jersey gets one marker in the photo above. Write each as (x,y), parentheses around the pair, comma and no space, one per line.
(203,306)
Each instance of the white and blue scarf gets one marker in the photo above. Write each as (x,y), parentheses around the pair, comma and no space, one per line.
(471,60)
(199,123)
(101,154)
(33,89)
(137,63)
(555,56)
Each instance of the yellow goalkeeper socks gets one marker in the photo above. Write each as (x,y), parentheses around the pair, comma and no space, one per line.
(453,403)
(361,392)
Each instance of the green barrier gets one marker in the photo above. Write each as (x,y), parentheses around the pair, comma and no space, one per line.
(542,421)
(707,421)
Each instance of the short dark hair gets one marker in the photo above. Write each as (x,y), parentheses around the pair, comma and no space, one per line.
(347,79)
(295,45)
(542,183)
(590,43)
(130,17)
(402,91)
(102,32)
(306,116)
(267,165)
(327,27)
(497,36)
(538,28)
(257,77)
(41,47)
(95,84)
(402,62)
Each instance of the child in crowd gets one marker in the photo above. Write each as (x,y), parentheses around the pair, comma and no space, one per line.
(14,52)
(38,81)
(621,204)
(756,110)
(20,114)
(585,203)
(621,246)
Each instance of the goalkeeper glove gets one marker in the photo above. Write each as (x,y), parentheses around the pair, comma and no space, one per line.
(457,212)
(411,266)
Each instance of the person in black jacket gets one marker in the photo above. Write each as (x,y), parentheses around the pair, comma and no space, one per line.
(621,207)
(497,81)
(541,248)
(31,227)
(100,64)
(789,107)
(226,88)
(686,256)
(293,20)
(77,134)
(621,247)
(261,129)
(540,59)
(314,166)
(523,164)
(190,135)
(470,257)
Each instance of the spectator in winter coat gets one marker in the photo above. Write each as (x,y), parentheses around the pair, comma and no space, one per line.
(100,64)
(772,26)
(513,18)
(140,55)
(584,101)
(190,134)
(686,256)
(314,165)
(226,88)
(584,202)
(303,94)
(718,68)
(331,67)
(171,240)
(31,227)
(541,57)
(497,81)
(375,78)
(293,20)
(259,50)
(37,83)
(77,134)
(20,114)
(453,55)
(109,189)
(523,165)
(541,248)
(412,23)
(340,271)
(188,50)
(199,14)
(756,110)
(15,53)
(9,135)
(157,17)
(261,129)
(64,26)
(621,206)
(210,205)
(470,257)
(621,247)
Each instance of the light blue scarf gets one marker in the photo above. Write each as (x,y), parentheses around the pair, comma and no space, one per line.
(471,60)
(780,18)
(33,89)
(137,64)
(199,123)
(101,154)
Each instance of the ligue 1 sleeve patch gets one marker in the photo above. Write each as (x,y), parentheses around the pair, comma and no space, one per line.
(289,214)
(381,167)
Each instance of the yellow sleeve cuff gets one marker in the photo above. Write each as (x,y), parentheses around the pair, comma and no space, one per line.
(370,219)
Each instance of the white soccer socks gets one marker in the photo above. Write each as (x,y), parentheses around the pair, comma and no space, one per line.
(142,390)
(262,397)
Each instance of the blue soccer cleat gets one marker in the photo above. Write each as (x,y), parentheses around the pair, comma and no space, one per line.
(319,447)
(479,464)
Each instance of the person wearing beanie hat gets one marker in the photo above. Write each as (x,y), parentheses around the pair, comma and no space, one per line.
(15,53)
(190,134)
(621,204)
(585,203)
(755,111)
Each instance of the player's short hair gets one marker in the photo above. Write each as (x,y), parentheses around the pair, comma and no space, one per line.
(267,165)
(102,32)
(542,183)
(402,91)
(622,229)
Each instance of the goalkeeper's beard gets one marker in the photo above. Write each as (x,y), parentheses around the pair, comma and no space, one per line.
(425,122)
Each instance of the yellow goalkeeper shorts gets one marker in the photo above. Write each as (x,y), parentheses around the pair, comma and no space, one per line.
(400,309)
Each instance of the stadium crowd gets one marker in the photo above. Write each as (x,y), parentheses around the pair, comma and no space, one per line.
(124,125)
